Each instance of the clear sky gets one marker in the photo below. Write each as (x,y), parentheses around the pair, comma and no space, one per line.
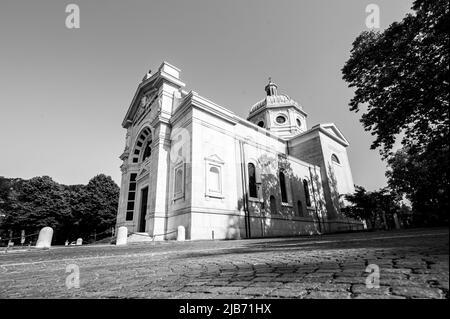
(64,92)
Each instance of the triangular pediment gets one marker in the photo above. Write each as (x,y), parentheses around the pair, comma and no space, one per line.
(151,82)
(143,171)
(332,130)
(215,158)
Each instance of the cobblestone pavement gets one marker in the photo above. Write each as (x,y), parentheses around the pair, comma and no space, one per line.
(412,264)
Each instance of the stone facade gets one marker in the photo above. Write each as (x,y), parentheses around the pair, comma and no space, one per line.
(190,162)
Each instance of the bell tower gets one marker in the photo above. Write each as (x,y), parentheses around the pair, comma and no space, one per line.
(278,113)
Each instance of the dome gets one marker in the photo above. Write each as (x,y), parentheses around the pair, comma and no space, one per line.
(274,100)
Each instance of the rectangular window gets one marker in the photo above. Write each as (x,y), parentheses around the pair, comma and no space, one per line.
(214,180)
(307,193)
(178,187)
(213,176)
(131,197)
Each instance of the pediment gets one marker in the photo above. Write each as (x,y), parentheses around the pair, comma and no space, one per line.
(142,172)
(332,130)
(165,73)
(145,103)
(215,158)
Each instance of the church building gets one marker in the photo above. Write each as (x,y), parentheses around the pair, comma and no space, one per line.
(193,163)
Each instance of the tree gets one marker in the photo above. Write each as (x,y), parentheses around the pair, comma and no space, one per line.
(72,211)
(377,207)
(420,176)
(401,81)
(101,203)
(33,204)
(402,76)
(5,190)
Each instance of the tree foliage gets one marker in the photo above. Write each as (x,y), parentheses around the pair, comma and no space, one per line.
(72,211)
(401,81)
(402,76)
(425,182)
(377,207)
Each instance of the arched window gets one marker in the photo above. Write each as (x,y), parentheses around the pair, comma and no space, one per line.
(214,179)
(252,189)
(273,205)
(178,180)
(147,151)
(284,198)
(307,195)
(143,146)
(261,123)
(335,159)
(299,208)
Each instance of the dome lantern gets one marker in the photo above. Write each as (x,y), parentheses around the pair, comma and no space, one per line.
(271,88)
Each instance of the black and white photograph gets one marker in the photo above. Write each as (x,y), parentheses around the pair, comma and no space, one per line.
(224,157)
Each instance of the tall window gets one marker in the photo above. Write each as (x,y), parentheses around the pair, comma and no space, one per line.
(284,198)
(213,176)
(307,195)
(214,180)
(131,197)
(252,189)
(179,181)
(299,208)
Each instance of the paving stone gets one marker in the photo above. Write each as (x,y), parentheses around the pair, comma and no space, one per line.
(287,293)
(225,290)
(410,267)
(363,289)
(328,295)
(257,291)
(375,296)
(418,292)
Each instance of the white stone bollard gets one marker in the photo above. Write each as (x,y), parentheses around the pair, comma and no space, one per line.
(181,233)
(122,235)
(79,242)
(45,238)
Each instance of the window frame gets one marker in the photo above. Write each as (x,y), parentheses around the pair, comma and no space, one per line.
(338,162)
(209,163)
(179,167)
(129,213)
(307,192)
(255,182)
(283,186)
(281,116)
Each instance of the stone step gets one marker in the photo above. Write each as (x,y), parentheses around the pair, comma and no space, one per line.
(139,237)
